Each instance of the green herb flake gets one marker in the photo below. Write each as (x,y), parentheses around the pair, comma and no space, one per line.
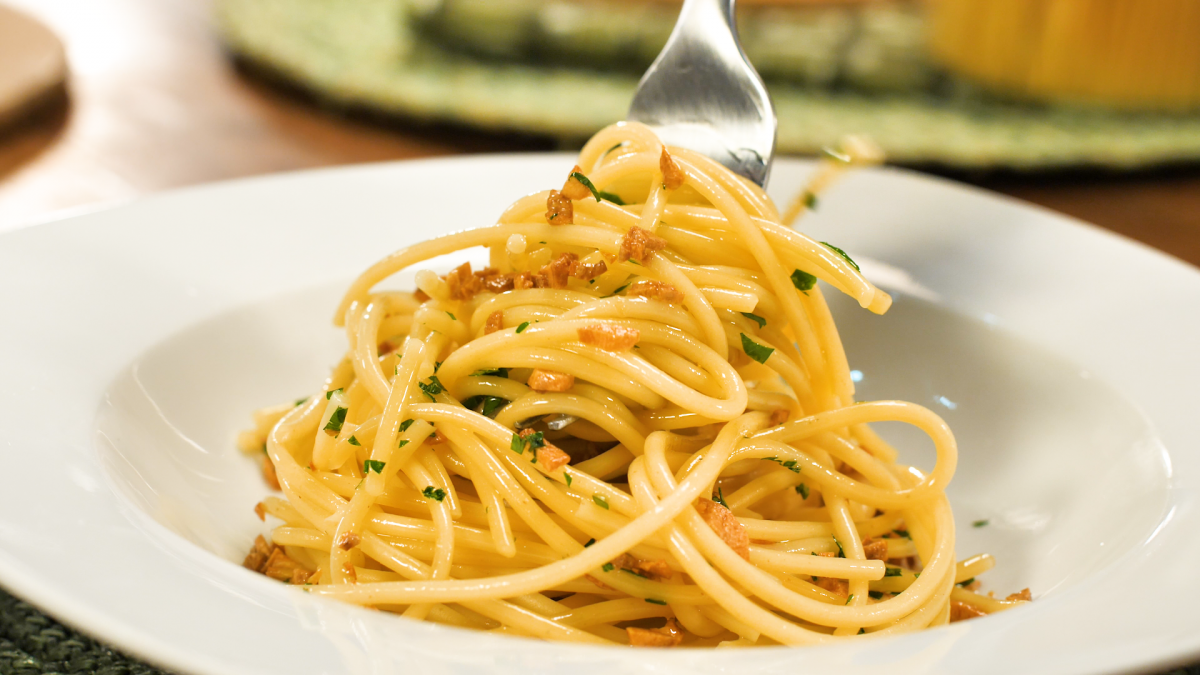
(893,572)
(850,599)
(610,197)
(755,318)
(862,631)
(452,317)
(373,465)
(618,291)
(431,492)
(841,551)
(789,464)
(810,200)
(587,183)
(523,326)
(600,501)
(491,404)
(354,441)
(656,601)
(437,365)
(517,445)
(979,523)
(843,254)
(401,444)
(567,477)
(902,533)
(590,542)
(756,351)
(802,490)
(720,497)
(432,388)
(803,281)
(967,582)
(607,567)
(535,440)
(336,420)
(301,401)
(405,425)
(329,394)
(875,595)
(495,372)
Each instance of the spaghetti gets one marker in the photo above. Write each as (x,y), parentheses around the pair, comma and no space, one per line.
(635,426)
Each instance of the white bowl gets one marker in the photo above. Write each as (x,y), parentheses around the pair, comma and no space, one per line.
(137,340)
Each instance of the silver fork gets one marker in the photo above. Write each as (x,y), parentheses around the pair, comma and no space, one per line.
(701,93)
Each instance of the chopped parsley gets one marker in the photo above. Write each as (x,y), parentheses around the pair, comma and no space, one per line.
(598,194)
(607,567)
(405,425)
(329,394)
(432,388)
(495,372)
(902,533)
(354,441)
(893,572)
(967,582)
(841,551)
(373,465)
(535,440)
(517,445)
(803,281)
(590,542)
(523,326)
(587,183)
(802,490)
(862,631)
(300,401)
(656,601)
(810,200)
(789,464)
(756,351)
(979,523)
(336,420)
(431,492)
(720,498)
(452,317)
(875,595)
(491,404)
(402,443)
(567,477)
(843,254)
(755,318)
(850,599)
(437,365)
(610,197)
(600,501)
(619,290)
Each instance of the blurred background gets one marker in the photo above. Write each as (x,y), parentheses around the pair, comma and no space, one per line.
(1090,107)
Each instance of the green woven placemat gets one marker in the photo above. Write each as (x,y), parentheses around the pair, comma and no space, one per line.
(32,643)
(367,53)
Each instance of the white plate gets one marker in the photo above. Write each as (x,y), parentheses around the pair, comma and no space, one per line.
(136,340)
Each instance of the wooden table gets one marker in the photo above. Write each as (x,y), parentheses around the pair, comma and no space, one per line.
(155,103)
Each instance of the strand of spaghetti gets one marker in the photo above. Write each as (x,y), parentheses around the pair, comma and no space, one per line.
(767,588)
(571,235)
(588,560)
(776,276)
(538,405)
(698,567)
